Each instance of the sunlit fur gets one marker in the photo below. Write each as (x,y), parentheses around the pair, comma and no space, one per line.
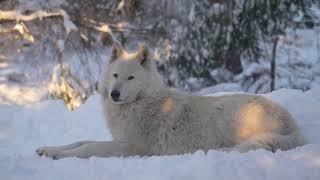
(155,119)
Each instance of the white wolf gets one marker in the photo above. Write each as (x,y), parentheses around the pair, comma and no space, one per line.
(147,118)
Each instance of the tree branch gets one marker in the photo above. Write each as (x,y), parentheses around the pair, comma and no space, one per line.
(18,16)
(40,14)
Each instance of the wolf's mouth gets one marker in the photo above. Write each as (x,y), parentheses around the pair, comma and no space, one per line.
(119,101)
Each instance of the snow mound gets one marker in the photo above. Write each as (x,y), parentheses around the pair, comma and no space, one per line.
(222,87)
(23,129)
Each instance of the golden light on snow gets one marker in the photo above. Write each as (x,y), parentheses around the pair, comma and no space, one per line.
(127,56)
(122,26)
(3,65)
(60,88)
(252,120)
(167,105)
(19,95)
(130,56)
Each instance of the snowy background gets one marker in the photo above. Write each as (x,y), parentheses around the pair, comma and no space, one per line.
(62,57)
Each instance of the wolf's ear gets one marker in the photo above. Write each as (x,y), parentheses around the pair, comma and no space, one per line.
(117,51)
(143,55)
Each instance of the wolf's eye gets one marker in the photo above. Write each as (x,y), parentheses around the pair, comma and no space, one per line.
(115,75)
(131,77)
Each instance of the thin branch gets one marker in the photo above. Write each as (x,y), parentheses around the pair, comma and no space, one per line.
(20,28)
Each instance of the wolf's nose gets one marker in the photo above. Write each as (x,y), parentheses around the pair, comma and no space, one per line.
(115,94)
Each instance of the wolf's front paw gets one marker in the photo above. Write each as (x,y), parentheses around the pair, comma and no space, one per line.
(50,152)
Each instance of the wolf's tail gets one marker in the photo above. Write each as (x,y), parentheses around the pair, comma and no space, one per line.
(272,142)
(290,141)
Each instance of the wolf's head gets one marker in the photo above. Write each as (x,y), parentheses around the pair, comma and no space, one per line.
(128,75)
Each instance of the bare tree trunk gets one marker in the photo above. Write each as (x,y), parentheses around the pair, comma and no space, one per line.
(317,29)
(273,63)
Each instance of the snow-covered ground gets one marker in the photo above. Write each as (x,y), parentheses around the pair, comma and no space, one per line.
(23,129)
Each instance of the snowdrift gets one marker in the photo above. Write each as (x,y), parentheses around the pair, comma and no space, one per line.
(23,129)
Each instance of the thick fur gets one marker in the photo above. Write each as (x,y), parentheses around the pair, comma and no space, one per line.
(151,119)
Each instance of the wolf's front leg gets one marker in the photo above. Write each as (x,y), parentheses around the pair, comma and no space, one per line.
(48,151)
(92,148)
